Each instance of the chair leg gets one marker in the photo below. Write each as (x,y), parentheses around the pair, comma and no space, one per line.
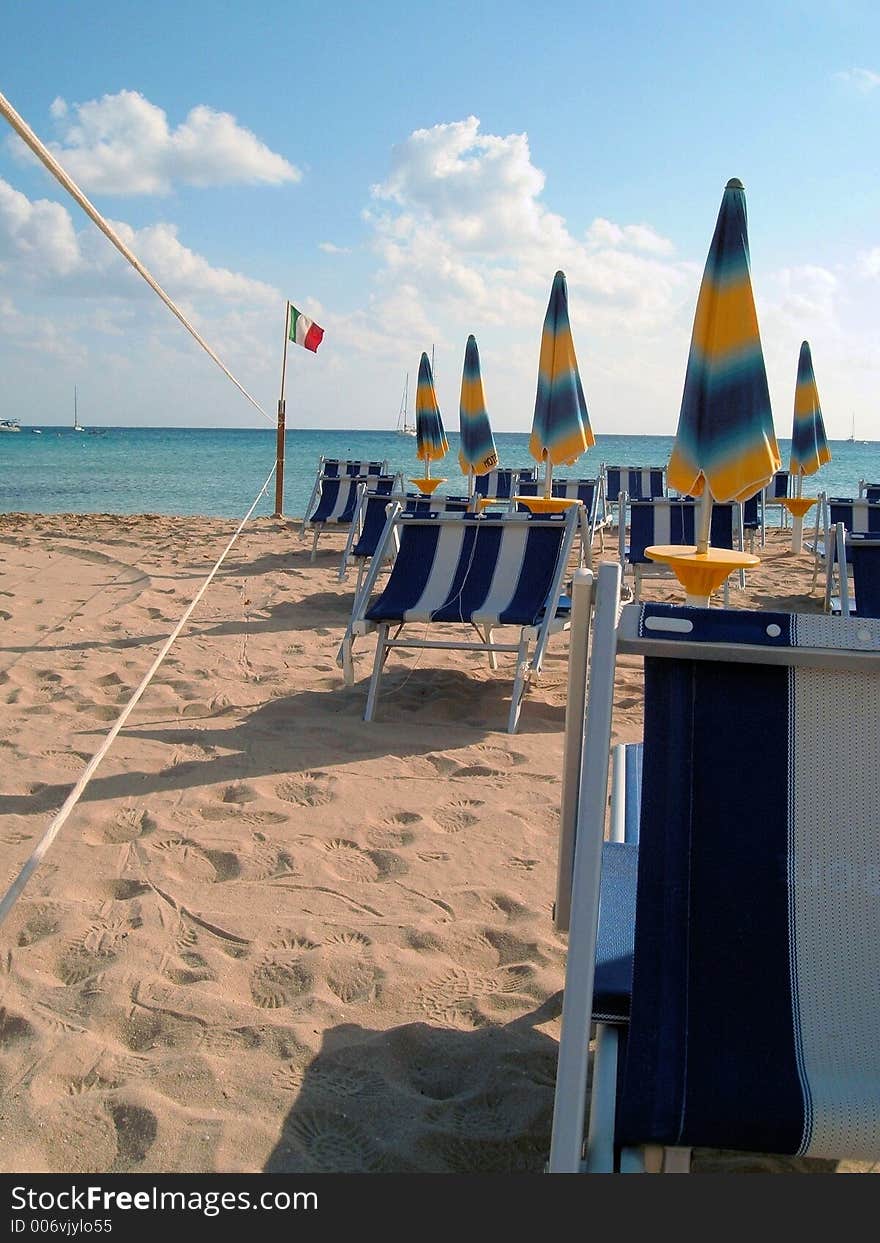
(519,685)
(315,544)
(378,662)
(603,1090)
(493,656)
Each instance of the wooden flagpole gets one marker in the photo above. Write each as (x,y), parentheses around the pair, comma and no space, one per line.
(279,444)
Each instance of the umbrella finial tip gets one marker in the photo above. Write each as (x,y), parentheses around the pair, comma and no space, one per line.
(734,184)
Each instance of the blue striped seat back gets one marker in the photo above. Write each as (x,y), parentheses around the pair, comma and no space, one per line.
(755,1005)
(503,482)
(337,495)
(576,489)
(856,515)
(751,518)
(871,491)
(490,569)
(779,485)
(865,557)
(664,521)
(640,483)
(342,466)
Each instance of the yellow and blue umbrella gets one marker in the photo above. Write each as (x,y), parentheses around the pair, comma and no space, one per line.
(809,444)
(725,440)
(561,429)
(477,454)
(431,442)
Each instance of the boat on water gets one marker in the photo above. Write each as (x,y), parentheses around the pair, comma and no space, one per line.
(10,425)
(404,428)
(77,426)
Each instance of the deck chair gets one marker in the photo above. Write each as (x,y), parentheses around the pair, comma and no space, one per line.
(592,516)
(667,520)
(368,522)
(481,571)
(863,553)
(869,491)
(337,499)
(503,482)
(331,467)
(751,520)
(778,488)
(860,517)
(746,919)
(639,483)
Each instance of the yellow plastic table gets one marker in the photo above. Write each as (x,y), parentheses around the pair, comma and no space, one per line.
(546,504)
(700,573)
(797,506)
(427,486)
(537,504)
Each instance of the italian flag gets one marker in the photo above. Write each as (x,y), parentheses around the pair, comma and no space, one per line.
(304,331)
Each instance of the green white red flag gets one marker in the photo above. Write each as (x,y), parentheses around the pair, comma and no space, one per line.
(304,331)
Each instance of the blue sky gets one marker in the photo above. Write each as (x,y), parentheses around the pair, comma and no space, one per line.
(408,174)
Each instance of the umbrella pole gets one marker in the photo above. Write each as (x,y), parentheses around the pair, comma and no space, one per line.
(471,482)
(704,517)
(280,437)
(548,478)
(797,522)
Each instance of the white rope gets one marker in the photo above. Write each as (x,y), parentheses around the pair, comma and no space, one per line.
(39,851)
(28,136)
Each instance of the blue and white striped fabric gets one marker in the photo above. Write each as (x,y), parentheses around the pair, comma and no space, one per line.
(337,496)
(341,466)
(856,515)
(640,483)
(869,491)
(375,515)
(779,485)
(663,521)
(755,1000)
(504,482)
(584,490)
(864,553)
(751,516)
(486,569)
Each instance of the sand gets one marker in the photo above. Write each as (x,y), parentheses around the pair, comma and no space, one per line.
(271,936)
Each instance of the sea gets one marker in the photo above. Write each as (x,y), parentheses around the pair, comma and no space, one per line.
(217,472)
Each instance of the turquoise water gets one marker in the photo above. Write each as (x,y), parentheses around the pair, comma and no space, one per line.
(217,472)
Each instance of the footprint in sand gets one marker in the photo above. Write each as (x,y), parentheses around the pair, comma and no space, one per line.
(459,815)
(283,976)
(332,1144)
(349,862)
(351,976)
(129,823)
(312,789)
(456,999)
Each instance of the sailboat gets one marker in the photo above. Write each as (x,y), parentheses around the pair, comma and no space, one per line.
(77,426)
(403,427)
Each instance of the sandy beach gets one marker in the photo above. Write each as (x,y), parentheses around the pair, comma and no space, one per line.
(270,936)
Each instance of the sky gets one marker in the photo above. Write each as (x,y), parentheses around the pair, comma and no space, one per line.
(409,173)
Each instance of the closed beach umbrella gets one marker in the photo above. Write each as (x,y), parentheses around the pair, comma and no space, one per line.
(477,454)
(431,442)
(725,442)
(809,445)
(561,429)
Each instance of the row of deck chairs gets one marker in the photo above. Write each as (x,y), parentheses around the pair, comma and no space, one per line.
(847,531)
(723,924)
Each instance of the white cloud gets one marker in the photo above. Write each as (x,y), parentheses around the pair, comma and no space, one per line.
(40,246)
(123,144)
(868,263)
(330,248)
(862,80)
